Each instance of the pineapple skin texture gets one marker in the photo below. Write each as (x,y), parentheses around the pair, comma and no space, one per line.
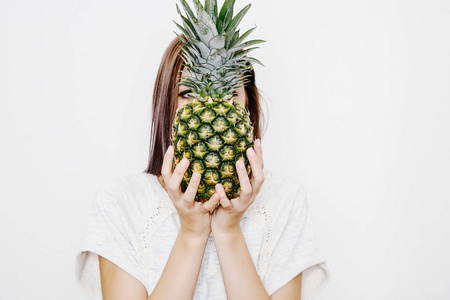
(213,135)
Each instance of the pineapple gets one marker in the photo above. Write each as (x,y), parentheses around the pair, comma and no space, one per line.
(213,131)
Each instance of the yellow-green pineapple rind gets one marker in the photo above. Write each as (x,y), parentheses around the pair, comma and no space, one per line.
(213,136)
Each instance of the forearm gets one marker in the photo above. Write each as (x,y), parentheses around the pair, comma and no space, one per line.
(179,277)
(238,270)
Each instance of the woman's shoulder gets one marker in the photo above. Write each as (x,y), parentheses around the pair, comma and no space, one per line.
(123,184)
(131,191)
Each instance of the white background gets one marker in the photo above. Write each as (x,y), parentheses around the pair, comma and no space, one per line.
(358,100)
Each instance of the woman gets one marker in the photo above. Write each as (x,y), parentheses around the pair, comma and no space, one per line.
(146,239)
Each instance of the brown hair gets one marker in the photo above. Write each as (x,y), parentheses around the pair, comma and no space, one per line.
(165,102)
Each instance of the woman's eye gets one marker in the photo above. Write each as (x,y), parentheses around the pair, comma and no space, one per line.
(185,94)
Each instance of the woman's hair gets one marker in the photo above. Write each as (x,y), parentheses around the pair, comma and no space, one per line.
(165,102)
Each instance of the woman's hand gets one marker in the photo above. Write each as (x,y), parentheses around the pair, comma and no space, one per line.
(195,217)
(227,217)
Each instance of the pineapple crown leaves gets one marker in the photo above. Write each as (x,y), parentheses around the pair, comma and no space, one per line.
(213,50)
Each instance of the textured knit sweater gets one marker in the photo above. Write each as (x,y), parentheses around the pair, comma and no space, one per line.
(133,223)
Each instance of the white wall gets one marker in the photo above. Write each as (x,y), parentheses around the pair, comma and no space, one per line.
(358,98)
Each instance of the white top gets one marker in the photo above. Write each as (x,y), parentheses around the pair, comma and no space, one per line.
(134,224)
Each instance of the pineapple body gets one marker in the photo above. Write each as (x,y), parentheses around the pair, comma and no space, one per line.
(213,134)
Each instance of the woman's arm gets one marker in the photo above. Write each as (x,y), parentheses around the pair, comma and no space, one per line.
(180,275)
(238,271)
(177,281)
(119,284)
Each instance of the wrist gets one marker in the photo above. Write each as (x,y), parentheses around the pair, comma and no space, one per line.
(229,233)
(194,236)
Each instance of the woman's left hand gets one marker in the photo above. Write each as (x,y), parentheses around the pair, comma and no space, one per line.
(227,216)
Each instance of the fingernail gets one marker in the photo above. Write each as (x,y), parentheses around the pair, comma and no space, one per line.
(184,162)
(241,165)
(196,176)
(251,152)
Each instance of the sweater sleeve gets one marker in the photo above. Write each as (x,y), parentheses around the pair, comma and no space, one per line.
(107,234)
(295,252)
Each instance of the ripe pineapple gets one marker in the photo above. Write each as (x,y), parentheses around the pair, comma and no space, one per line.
(213,131)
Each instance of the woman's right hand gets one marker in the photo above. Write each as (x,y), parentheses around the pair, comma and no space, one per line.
(195,217)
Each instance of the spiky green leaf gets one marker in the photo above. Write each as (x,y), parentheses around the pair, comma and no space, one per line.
(233,39)
(241,53)
(203,17)
(218,42)
(204,50)
(242,37)
(187,24)
(188,11)
(225,15)
(231,28)
(254,60)
(183,30)
(211,9)
(204,32)
(247,44)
